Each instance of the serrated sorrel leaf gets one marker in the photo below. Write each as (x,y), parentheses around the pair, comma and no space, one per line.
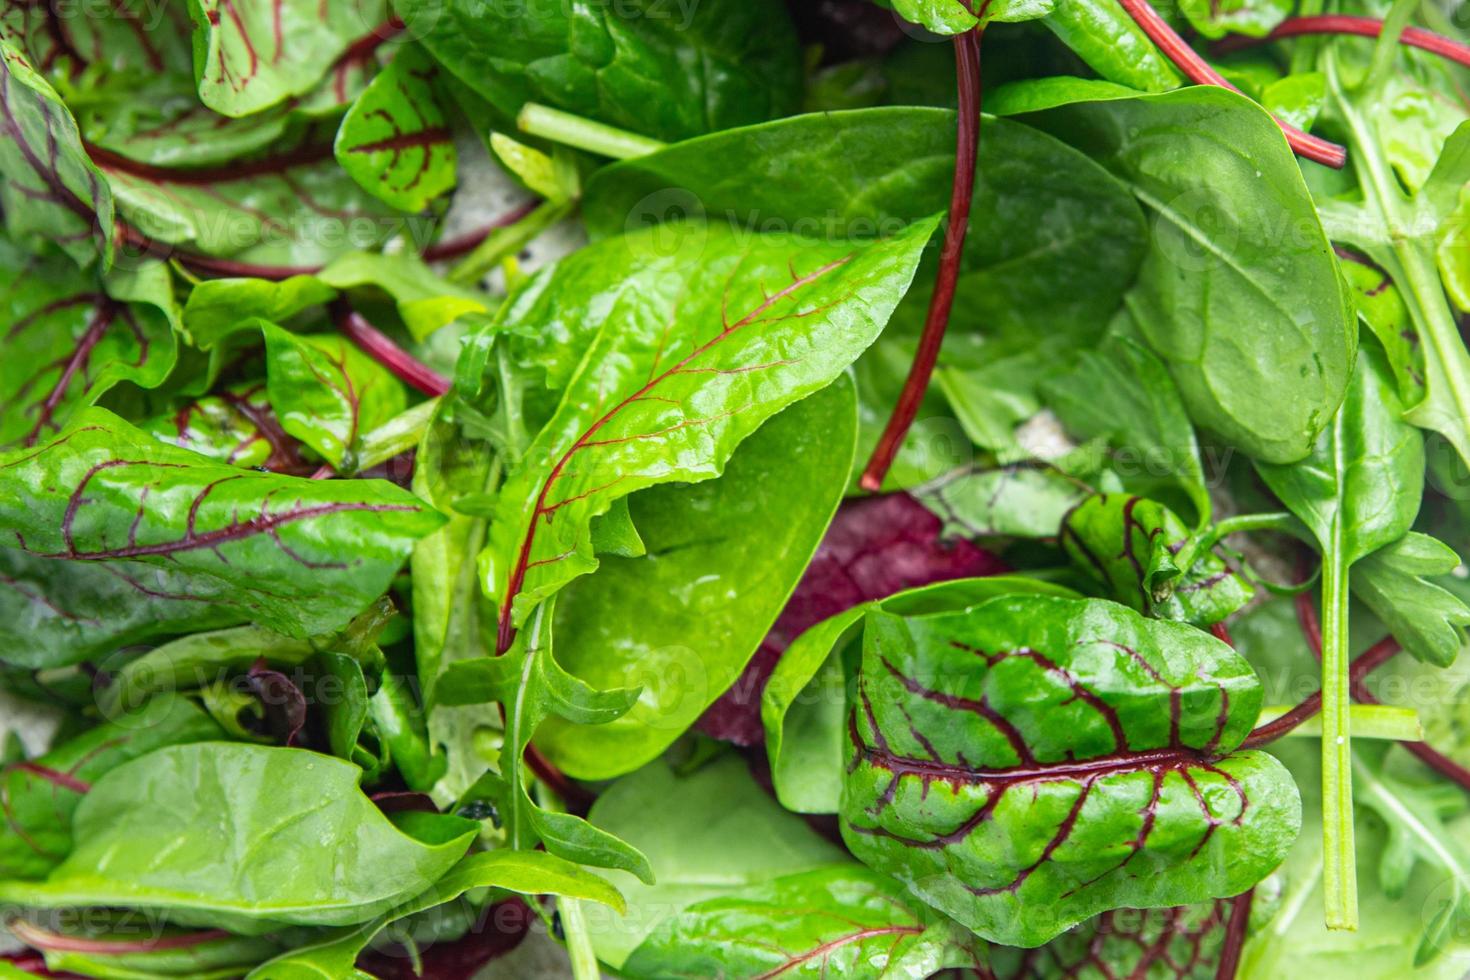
(299,556)
(1031,761)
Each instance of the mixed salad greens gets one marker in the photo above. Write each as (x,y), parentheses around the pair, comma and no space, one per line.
(897,536)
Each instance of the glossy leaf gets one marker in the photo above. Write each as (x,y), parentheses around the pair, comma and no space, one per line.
(628,66)
(249,57)
(327,393)
(299,556)
(1395,583)
(727,331)
(40,797)
(51,190)
(1026,500)
(1254,18)
(235,426)
(1103,35)
(1142,555)
(394,140)
(65,340)
(189,831)
(841,920)
(1128,794)
(1181,942)
(706,833)
(874,548)
(1231,305)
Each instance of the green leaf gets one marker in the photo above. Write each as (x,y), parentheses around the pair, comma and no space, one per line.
(1253,18)
(705,833)
(1122,392)
(835,921)
(1182,942)
(67,337)
(1144,556)
(250,58)
(119,952)
(1394,582)
(394,140)
(42,796)
(242,837)
(235,426)
(301,557)
(1025,500)
(525,872)
(1031,761)
(398,722)
(665,621)
(728,330)
(1231,304)
(52,190)
(804,704)
(327,393)
(625,65)
(1113,45)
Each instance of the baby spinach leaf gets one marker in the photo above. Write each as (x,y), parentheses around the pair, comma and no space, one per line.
(706,833)
(626,65)
(841,920)
(1020,827)
(67,336)
(722,557)
(394,140)
(1115,47)
(298,556)
(1395,583)
(243,837)
(727,330)
(251,58)
(1145,557)
(1234,305)
(1252,17)
(1122,392)
(51,189)
(38,798)
(327,393)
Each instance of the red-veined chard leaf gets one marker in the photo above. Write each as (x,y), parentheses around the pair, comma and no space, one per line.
(231,835)
(394,141)
(627,65)
(692,347)
(67,336)
(1180,943)
(127,35)
(1032,761)
(250,56)
(327,393)
(292,206)
(235,426)
(38,798)
(874,548)
(299,556)
(1231,303)
(843,920)
(109,945)
(1142,555)
(51,189)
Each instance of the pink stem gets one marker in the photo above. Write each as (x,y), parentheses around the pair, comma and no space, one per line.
(1413,37)
(381,348)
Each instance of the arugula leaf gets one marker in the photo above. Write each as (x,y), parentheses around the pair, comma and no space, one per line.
(299,556)
(728,329)
(1218,278)
(1020,827)
(842,919)
(1145,557)
(41,796)
(640,622)
(187,830)
(1393,582)
(394,141)
(626,65)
